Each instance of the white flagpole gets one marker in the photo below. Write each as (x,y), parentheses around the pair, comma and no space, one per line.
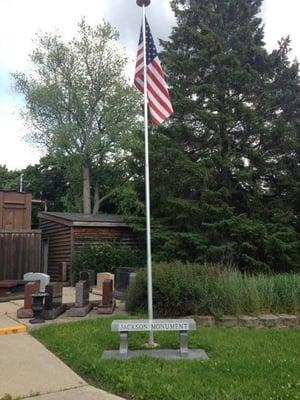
(147,189)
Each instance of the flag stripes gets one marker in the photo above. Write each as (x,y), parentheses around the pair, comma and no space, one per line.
(160,106)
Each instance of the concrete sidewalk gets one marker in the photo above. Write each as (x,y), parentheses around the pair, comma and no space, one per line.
(10,308)
(28,369)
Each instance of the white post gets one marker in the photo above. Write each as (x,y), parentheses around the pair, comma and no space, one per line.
(147,188)
(21,182)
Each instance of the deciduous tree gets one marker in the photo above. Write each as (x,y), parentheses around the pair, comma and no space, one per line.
(79,104)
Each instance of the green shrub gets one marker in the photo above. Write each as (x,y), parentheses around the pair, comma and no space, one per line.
(185,289)
(107,257)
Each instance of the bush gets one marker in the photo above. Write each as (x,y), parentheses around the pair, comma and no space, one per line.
(186,289)
(107,257)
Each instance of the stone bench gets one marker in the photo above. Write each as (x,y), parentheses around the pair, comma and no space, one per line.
(143,325)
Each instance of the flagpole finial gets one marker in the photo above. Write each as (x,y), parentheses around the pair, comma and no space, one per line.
(142,3)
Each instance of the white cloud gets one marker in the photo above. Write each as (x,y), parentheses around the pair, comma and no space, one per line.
(21,19)
(14,152)
(282,19)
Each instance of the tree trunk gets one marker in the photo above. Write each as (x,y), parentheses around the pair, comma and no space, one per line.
(96,200)
(99,201)
(86,190)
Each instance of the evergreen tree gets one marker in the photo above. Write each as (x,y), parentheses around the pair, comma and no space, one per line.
(225,172)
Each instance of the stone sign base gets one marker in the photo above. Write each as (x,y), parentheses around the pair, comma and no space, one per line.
(79,311)
(193,354)
(106,309)
(54,312)
(23,313)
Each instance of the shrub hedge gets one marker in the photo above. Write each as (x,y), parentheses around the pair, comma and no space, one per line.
(185,289)
(107,257)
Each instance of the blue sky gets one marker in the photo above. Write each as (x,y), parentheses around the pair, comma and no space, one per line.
(21,19)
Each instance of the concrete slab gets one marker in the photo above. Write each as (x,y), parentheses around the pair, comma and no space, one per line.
(27,367)
(9,326)
(165,354)
(9,308)
(6,321)
(63,318)
(69,295)
(82,393)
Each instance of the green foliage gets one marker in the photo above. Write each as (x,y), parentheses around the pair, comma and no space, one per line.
(80,107)
(107,257)
(9,180)
(243,364)
(225,170)
(52,180)
(186,289)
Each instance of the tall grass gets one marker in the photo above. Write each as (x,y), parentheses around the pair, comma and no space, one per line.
(185,289)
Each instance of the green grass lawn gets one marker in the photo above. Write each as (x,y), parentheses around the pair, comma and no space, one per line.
(244,364)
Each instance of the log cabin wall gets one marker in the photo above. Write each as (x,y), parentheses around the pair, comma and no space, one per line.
(57,237)
(64,234)
(20,252)
(97,235)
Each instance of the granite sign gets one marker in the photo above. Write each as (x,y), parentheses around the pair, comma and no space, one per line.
(154,325)
(182,326)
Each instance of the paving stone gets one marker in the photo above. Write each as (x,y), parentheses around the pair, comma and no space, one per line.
(204,320)
(228,321)
(248,321)
(269,320)
(287,320)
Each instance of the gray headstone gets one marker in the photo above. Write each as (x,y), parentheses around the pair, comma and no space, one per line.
(82,293)
(38,276)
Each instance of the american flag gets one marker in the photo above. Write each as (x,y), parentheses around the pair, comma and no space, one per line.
(160,107)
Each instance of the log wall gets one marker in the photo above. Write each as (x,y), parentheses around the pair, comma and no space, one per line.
(96,235)
(59,246)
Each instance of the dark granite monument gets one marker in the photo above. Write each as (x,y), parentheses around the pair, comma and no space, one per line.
(53,301)
(88,275)
(82,303)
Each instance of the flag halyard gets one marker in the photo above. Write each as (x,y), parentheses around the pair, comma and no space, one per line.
(160,106)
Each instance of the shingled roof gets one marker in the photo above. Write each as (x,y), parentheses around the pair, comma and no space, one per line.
(79,219)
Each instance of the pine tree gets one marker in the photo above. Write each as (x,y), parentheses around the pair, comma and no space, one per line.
(225,172)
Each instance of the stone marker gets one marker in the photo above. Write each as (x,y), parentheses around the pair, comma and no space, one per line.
(108,304)
(87,275)
(30,289)
(82,303)
(53,302)
(38,276)
(63,273)
(124,277)
(101,277)
(139,325)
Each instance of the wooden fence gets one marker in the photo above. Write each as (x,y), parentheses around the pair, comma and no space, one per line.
(20,252)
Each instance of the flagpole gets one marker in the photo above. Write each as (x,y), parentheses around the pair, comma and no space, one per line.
(151,343)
